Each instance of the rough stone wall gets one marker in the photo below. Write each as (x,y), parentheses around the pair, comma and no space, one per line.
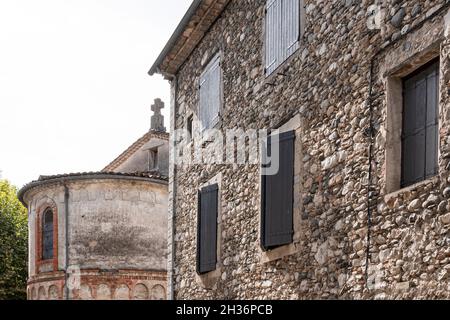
(327,82)
(114,225)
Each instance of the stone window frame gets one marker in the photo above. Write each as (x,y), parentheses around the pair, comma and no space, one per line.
(153,154)
(394,119)
(48,204)
(294,124)
(210,279)
(269,78)
(153,159)
(196,131)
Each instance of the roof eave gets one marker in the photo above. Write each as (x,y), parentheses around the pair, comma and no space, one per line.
(86,176)
(174,38)
(199,18)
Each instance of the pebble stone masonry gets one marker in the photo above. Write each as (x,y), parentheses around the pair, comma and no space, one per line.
(337,87)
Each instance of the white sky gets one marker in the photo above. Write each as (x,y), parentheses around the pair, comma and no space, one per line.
(74,89)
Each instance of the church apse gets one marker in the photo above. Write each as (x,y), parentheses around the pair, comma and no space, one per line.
(103,235)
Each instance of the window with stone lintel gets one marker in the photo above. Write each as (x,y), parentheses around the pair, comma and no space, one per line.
(412,122)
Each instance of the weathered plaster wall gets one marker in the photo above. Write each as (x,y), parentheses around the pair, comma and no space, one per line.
(327,83)
(139,161)
(116,224)
(117,231)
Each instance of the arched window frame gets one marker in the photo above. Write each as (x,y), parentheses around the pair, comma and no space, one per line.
(50,264)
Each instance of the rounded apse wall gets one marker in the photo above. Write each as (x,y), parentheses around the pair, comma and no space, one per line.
(115,247)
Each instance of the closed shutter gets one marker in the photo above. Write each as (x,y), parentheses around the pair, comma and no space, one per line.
(420,126)
(277,197)
(432,124)
(210,94)
(291,26)
(47,236)
(207,229)
(273,34)
(282,32)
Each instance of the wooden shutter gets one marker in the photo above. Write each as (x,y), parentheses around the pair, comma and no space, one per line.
(277,197)
(282,26)
(210,94)
(420,125)
(207,229)
(291,27)
(273,35)
(432,123)
(204,97)
(47,235)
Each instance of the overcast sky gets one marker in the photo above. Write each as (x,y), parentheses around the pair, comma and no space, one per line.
(74,89)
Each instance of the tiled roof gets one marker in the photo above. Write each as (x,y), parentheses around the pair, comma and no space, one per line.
(150,176)
(135,147)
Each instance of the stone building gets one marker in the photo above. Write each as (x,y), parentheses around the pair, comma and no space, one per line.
(102,235)
(358,93)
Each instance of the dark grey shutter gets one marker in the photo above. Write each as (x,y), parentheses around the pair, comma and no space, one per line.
(210,94)
(432,123)
(277,197)
(420,125)
(207,229)
(47,236)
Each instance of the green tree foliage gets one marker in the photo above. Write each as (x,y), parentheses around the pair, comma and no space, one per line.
(13,244)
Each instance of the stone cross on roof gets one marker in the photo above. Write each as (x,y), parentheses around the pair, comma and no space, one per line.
(157,120)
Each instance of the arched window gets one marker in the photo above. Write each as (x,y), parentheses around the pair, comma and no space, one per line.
(47,235)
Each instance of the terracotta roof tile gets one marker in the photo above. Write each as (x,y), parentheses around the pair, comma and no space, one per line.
(150,176)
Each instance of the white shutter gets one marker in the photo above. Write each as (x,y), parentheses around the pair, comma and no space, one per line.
(282,32)
(210,94)
(203,108)
(215,92)
(291,27)
(273,33)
